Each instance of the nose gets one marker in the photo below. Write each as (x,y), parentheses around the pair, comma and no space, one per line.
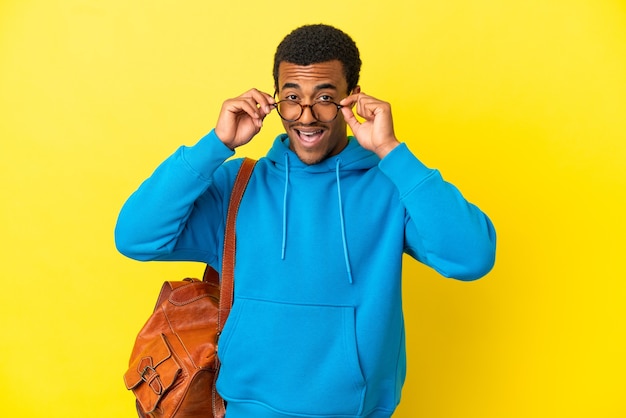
(307,115)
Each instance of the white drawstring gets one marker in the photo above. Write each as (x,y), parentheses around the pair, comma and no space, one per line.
(341,216)
(343,227)
(285,206)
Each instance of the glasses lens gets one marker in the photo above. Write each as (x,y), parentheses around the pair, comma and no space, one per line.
(325,111)
(289,110)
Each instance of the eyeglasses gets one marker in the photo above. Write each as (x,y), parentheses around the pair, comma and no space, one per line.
(322,111)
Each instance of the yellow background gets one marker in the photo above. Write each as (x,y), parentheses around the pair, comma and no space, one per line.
(522,104)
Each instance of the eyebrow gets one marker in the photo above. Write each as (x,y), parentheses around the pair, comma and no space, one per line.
(324,86)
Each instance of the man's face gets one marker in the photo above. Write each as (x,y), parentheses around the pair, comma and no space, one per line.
(311,140)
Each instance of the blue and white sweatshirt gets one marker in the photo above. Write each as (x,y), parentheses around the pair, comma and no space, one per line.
(316,329)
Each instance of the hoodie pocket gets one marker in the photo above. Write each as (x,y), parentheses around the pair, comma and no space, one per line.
(298,359)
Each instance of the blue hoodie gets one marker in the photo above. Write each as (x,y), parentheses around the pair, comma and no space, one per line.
(316,329)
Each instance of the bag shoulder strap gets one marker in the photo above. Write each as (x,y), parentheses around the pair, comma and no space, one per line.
(230,242)
(228,270)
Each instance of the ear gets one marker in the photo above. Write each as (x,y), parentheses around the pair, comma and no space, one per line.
(356,90)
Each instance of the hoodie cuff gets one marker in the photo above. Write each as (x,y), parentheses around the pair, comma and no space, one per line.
(404,169)
(206,155)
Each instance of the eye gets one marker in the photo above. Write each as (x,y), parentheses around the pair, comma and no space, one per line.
(325,98)
(291,97)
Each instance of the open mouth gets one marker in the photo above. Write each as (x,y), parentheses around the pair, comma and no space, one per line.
(309,136)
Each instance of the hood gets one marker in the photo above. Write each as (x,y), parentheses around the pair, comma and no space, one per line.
(353,157)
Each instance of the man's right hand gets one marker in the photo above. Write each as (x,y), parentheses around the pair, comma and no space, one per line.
(241,118)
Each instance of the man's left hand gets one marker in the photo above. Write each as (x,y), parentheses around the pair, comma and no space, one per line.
(376,132)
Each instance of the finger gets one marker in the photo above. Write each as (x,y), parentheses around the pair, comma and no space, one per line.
(259,95)
(369,107)
(246,105)
(350,118)
(263,100)
(251,107)
(351,100)
(361,104)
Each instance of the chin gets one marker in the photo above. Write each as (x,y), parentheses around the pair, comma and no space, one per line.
(311,158)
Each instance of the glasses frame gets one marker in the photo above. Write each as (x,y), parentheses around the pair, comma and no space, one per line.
(304,106)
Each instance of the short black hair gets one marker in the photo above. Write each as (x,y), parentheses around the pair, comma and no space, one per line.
(313,44)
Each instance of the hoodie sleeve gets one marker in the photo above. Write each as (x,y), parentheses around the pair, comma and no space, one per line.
(443,230)
(160,220)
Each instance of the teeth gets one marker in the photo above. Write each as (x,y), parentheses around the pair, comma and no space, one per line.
(310,133)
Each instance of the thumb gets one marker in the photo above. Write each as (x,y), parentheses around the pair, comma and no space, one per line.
(351,120)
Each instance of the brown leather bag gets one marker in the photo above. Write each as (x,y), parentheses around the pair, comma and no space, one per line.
(174,365)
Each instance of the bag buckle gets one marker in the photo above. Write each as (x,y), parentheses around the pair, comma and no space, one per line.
(149,375)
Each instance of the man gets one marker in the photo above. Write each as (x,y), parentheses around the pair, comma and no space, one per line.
(316,329)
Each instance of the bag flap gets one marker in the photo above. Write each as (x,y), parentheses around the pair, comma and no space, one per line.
(169,287)
(193,291)
(152,373)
